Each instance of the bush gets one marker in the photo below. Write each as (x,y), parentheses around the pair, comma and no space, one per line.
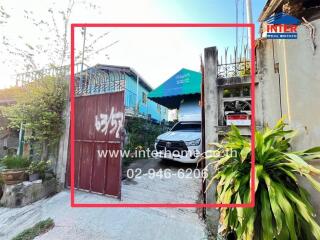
(282,207)
(39,167)
(15,162)
(142,133)
(39,106)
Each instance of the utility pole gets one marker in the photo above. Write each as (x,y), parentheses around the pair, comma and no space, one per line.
(237,7)
(83,47)
(249,19)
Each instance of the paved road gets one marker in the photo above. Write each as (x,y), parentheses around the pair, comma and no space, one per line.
(152,163)
(117,223)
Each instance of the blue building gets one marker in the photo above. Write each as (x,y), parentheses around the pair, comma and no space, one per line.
(108,78)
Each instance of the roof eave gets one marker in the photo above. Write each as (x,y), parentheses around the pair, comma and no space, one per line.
(141,79)
(174,100)
(127,70)
(269,9)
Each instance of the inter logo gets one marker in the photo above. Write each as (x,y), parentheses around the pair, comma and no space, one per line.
(282,26)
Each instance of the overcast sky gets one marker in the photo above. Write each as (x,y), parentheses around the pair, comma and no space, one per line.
(155,53)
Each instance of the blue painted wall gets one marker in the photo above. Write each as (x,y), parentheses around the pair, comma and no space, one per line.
(158,112)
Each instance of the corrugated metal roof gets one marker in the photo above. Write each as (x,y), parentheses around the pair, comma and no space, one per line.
(127,70)
(169,94)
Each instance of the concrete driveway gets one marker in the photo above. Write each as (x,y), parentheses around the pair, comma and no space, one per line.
(153,163)
(116,223)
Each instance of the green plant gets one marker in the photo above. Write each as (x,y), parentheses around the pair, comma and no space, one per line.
(39,107)
(15,162)
(282,207)
(39,167)
(136,131)
(38,229)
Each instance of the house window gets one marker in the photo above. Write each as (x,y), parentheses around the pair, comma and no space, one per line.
(144,98)
(159,108)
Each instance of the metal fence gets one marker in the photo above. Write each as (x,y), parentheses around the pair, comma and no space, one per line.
(89,81)
(235,64)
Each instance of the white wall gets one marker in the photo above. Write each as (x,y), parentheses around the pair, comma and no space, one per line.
(295,90)
(299,84)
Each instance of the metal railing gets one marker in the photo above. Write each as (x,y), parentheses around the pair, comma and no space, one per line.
(28,77)
(91,80)
(235,69)
(94,81)
(236,64)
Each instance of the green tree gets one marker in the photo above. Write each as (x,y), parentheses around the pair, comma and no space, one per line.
(39,107)
(52,46)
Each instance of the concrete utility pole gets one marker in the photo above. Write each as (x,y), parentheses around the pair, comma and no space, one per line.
(249,19)
(237,7)
(211,104)
(83,48)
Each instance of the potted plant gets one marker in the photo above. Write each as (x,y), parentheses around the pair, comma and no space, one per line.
(282,207)
(37,170)
(15,169)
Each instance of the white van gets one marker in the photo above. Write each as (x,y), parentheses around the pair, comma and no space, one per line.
(183,142)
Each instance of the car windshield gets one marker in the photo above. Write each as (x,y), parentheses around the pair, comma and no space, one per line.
(187,127)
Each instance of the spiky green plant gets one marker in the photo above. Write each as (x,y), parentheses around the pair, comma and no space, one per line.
(282,207)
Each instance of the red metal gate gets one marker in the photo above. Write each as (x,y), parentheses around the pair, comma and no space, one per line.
(99,121)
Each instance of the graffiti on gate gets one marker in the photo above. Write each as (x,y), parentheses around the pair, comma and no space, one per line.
(114,120)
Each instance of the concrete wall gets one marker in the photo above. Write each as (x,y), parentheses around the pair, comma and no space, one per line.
(10,141)
(293,90)
(8,137)
(63,152)
(287,84)
(22,194)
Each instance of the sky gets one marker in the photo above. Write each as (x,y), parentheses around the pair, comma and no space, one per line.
(156,54)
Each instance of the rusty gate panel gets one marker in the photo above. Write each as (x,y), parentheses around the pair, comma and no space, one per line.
(77,157)
(98,173)
(85,165)
(110,186)
(98,125)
